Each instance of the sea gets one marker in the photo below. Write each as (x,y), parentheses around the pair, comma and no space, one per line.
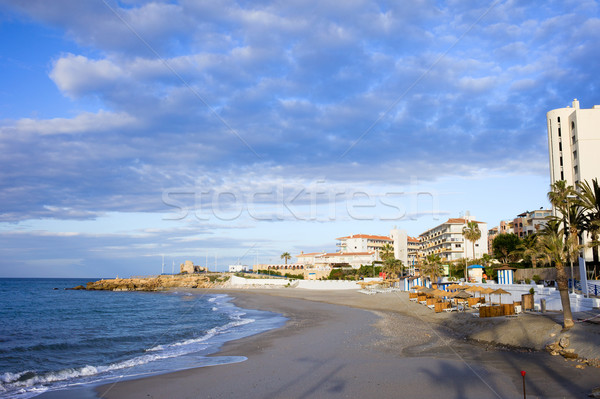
(53,338)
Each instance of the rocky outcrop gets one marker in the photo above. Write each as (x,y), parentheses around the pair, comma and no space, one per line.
(156,283)
(189,267)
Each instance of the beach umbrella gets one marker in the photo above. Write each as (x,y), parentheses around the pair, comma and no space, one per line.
(474,288)
(462,295)
(416,287)
(439,293)
(453,286)
(500,292)
(488,291)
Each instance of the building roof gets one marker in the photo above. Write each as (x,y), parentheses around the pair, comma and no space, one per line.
(460,221)
(331,254)
(412,239)
(309,254)
(367,236)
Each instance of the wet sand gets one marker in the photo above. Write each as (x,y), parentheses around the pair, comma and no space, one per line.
(347,344)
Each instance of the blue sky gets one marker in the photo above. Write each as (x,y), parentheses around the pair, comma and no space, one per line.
(240,130)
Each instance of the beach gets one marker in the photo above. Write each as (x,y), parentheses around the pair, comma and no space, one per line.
(346,344)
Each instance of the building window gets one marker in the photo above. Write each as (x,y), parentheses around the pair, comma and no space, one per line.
(558,119)
(572,125)
(575,169)
(558,132)
(562,175)
(574,154)
(560,146)
(561,161)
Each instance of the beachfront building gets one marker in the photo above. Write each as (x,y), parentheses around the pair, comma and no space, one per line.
(447,241)
(362,243)
(533,222)
(573,146)
(574,143)
(363,249)
(238,268)
(339,259)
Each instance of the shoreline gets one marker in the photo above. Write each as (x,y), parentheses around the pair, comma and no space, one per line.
(352,344)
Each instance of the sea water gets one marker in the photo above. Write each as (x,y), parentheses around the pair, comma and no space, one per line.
(52,338)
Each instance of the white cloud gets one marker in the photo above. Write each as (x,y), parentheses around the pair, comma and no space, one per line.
(86,122)
(76,75)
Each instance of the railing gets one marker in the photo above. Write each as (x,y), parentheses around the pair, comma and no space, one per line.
(594,289)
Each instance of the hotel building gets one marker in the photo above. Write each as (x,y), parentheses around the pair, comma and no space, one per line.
(573,146)
(574,143)
(447,241)
(528,223)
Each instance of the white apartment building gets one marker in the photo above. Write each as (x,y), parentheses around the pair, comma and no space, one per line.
(322,259)
(574,146)
(447,241)
(362,243)
(574,143)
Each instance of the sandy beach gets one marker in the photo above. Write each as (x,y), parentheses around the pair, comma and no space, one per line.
(346,344)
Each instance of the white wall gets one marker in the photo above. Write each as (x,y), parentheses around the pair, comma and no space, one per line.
(326,284)
(305,284)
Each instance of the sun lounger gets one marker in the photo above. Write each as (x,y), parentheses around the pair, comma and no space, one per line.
(452,309)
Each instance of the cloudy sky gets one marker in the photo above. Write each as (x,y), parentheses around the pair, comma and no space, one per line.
(228,130)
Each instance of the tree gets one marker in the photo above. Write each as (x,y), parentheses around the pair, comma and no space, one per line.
(386,252)
(392,267)
(432,267)
(286,256)
(589,199)
(504,246)
(530,248)
(557,250)
(472,233)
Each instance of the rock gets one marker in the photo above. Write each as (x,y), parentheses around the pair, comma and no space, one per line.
(187,267)
(569,355)
(79,287)
(579,366)
(554,353)
(595,393)
(564,342)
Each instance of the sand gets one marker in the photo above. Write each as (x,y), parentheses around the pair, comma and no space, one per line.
(346,344)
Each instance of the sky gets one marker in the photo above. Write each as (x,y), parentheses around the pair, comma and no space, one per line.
(226,131)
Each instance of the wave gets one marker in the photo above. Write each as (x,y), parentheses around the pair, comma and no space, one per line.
(31,382)
(209,334)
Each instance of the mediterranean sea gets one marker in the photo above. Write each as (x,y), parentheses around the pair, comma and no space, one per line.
(52,338)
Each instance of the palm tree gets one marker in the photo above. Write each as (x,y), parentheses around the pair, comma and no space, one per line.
(560,195)
(530,247)
(589,200)
(472,233)
(286,256)
(432,267)
(392,267)
(563,199)
(386,252)
(558,250)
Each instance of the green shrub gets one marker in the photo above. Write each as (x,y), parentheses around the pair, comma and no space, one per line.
(536,278)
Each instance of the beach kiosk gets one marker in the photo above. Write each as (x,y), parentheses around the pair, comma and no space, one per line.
(475,273)
(505,274)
